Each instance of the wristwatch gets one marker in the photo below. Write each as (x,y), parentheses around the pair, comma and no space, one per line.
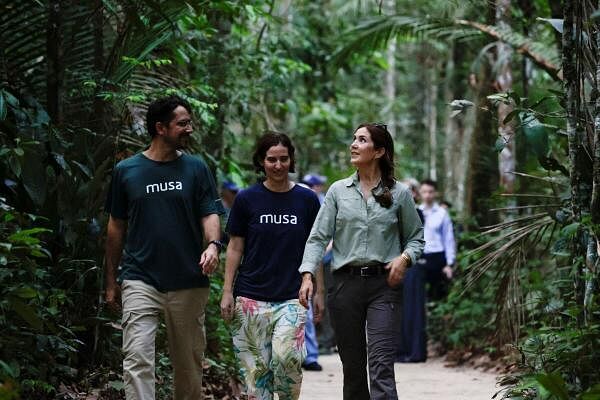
(220,245)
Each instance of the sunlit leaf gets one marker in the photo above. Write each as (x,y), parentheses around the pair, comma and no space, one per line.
(556,23)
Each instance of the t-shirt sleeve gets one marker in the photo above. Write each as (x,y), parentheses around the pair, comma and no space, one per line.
(208,198)
(237,224)
(116,199)
(314,207)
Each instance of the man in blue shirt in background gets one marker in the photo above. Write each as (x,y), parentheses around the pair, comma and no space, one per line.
(440,246)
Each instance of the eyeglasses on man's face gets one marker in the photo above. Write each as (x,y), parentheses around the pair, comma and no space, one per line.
(185,123)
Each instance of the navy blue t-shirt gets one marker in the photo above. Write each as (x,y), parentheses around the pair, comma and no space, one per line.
(163,203)
(275,227)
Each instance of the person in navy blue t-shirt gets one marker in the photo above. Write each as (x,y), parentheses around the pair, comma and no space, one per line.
(268,225)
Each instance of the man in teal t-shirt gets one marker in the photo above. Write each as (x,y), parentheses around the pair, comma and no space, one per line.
(163,206)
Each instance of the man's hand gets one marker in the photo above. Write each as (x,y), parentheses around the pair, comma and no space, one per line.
(306,290)
(227,305)
(397,269)
(209,259)
(113,296)
(448,272)
(318,306)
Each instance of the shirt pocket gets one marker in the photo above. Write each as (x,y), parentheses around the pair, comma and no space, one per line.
(350,208)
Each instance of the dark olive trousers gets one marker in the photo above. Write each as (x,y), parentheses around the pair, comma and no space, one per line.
(356,303)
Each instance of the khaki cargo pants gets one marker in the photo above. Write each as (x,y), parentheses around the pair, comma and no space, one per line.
(184,317)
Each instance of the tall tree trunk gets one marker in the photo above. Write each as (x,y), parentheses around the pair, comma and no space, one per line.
(218,74)
(482,171)
(98,23)
(529,12)
(456,136)
(55,73)
(504,81)
(581,169)
(390,76)
(431,94)
(595,202)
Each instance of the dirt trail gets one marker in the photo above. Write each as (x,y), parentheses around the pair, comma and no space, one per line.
(423,381)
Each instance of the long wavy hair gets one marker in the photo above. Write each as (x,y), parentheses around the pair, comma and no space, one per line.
(382,138)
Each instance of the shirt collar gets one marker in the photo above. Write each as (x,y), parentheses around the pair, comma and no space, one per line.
(434,207)
(352,180)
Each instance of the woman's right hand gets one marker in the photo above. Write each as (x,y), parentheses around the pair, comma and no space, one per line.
(227,306)
(306,290)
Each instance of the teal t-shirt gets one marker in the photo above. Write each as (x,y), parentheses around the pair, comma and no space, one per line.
(163,203)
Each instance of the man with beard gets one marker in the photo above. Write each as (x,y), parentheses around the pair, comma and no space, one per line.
(163,206)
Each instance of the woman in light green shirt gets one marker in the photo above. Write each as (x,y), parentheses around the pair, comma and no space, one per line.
(377,234)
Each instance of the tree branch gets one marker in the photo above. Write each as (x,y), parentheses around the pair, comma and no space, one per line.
(553,70)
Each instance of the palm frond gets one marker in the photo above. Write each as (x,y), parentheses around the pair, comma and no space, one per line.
(374,34)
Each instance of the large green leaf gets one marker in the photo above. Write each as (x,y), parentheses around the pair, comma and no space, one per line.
(34,177)
(27,313)
(536,134)
(592,394)
(3,107)
(553,383)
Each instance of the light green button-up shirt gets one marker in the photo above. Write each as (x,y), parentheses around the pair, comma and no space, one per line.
(363,232)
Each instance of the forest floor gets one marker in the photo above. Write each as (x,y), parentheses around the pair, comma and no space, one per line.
(421,381)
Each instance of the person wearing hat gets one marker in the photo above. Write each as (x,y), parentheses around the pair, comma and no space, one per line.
(228,192)
(317,183)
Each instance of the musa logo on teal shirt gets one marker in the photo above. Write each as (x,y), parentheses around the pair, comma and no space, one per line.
(278,219)
(164,186)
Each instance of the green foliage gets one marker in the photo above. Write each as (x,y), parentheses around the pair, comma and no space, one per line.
(72,102)
(38,347)
(466,321)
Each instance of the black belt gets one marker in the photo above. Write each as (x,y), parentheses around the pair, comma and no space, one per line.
(364,270)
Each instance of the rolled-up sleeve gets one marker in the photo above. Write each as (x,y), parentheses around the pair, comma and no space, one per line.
(411,228)
(320,234)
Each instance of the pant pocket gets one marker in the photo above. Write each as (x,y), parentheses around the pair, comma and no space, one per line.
(335,289)
(125,319)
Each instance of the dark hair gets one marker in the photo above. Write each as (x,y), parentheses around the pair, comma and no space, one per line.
(429,182)
(268,140)
(446,203)
(161,110)
(382,138)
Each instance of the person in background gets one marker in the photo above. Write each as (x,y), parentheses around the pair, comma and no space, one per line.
(228,192)
(268,227)
(311,363)
(317,183)
(377,235)
(446,204)
(163,206)
(440,246)
(412,335)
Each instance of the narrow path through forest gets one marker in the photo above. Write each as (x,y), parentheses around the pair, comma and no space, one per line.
(423,381)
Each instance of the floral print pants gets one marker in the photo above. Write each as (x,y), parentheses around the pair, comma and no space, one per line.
(268,340)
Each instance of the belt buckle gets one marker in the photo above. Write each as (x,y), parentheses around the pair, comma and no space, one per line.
(364,271)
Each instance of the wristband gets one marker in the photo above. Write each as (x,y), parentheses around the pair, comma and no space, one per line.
(220,245)
(407,258)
